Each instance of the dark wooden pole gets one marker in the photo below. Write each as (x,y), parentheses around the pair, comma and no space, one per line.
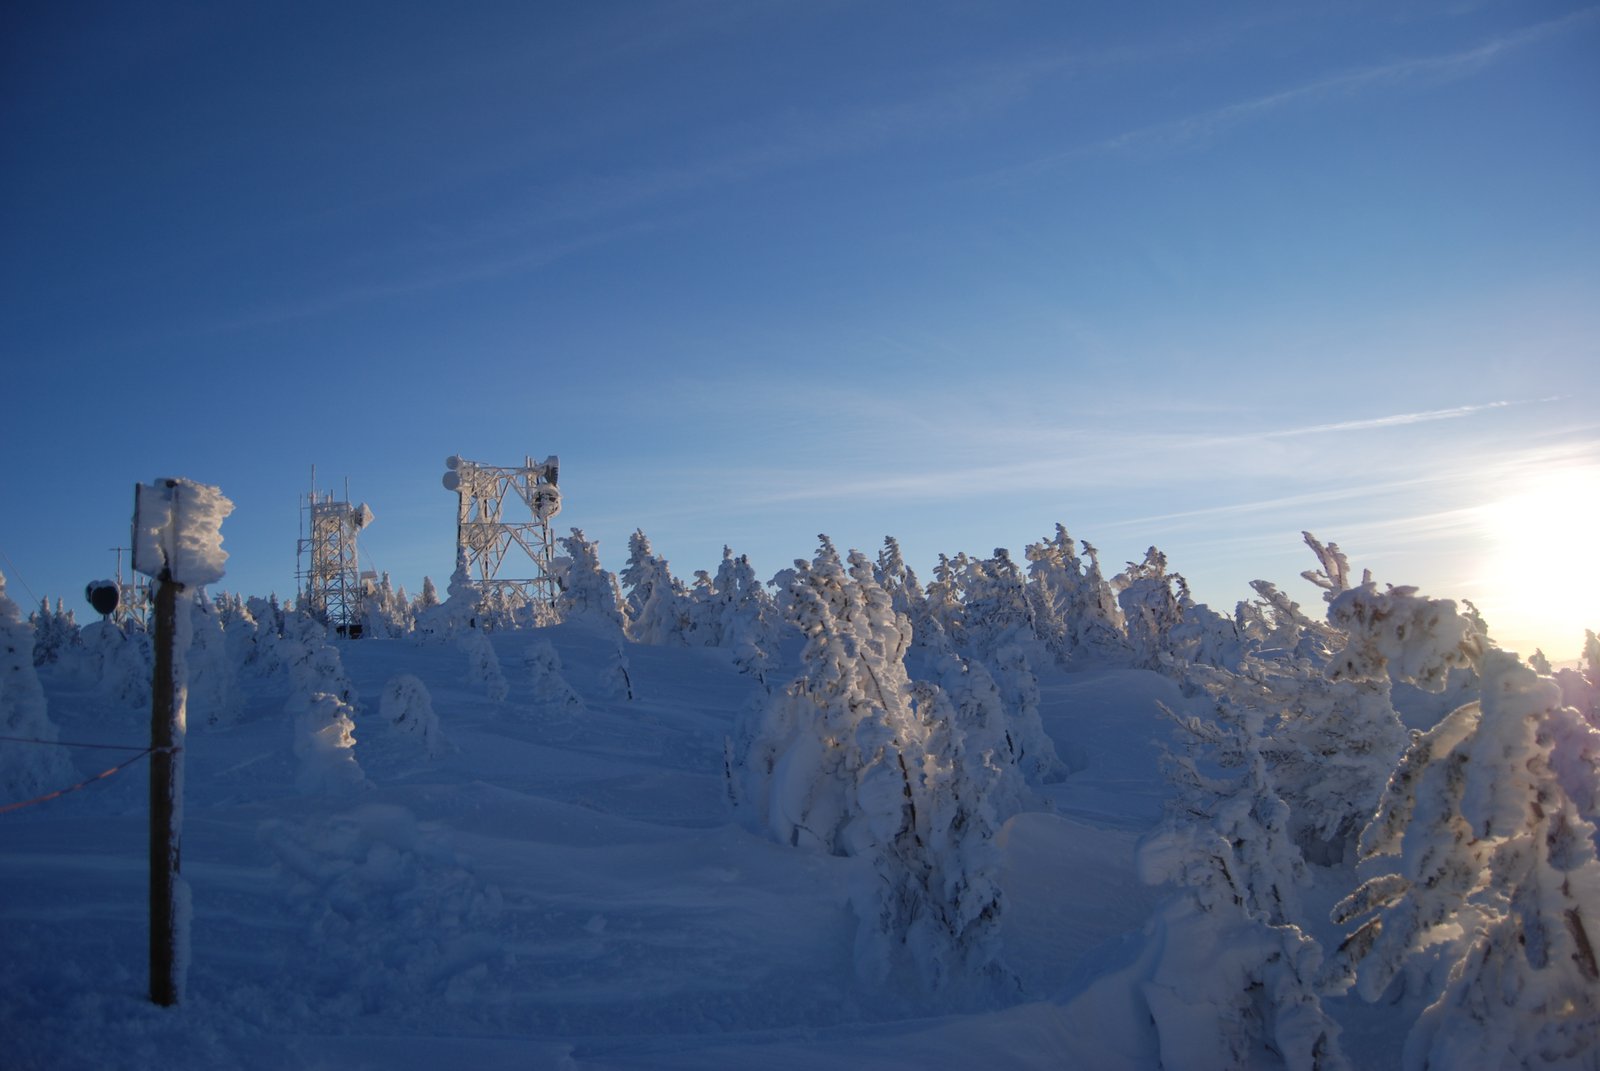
(166,772)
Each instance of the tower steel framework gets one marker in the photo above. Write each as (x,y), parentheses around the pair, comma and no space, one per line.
(486,531)
(330,585)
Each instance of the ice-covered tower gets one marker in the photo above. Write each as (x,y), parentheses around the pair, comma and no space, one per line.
(330,585)
(486,531)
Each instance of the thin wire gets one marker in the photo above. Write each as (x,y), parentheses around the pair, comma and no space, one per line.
(13,567)
(102,775)
(72,743)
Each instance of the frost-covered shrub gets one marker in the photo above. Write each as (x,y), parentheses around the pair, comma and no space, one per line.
(1486,868)
(483,667)
(324,742)
(615,677)
(406,705)
(550,692)
(25,769)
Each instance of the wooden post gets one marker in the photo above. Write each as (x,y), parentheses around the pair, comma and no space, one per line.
(166,736)
(166,787)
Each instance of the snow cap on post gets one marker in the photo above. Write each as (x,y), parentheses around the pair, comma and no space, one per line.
(177,531)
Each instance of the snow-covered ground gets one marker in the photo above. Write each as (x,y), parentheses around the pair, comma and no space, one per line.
(554,847)
(558,890)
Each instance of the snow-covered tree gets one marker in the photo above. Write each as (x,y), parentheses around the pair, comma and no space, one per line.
(428,599)
(1232,971)
(406,705)
(588,593)
(1486,886)
(898,579)
(1019,692)
(26,770)
(1148,597)
(460,610)
(996,611)
(483,667)
(843,761)
(313,664)
(385,613)
(550,692)
(616,678)
(324,742)
(214,695)
(657,605)
(55,632)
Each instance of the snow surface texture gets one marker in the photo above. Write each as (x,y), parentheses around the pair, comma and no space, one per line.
(566,885)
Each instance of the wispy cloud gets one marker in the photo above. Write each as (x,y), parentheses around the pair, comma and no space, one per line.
(1077,458)
(1203,126)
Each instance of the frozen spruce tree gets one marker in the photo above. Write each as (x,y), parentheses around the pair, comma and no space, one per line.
(844,761)
(1233,973)
(324,742)
(1487,888)
(1148,598)
(460,611)
(406,705)
(899,580)
(657,604)
(996,612)
(55,632)
(1099,620)
(1483,900)
(551,694)
(26,769)
(589,594)
(483,667)
(214,695)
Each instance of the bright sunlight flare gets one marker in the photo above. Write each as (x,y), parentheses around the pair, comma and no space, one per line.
(1540,584)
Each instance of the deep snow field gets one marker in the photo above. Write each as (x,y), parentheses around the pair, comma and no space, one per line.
(559,890)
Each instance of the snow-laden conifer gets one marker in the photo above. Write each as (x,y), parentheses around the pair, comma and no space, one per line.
(25,769)
(324,742)
(408,707)
(1232,970)
(55,632)
(589,594)
(554,698)
(1486,886)
(1148,595)
(657,604)
(213,697)
(483,667)
(844,761)
(995,610)
(899,581)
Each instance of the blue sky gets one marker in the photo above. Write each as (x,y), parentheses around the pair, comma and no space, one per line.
(1201,276)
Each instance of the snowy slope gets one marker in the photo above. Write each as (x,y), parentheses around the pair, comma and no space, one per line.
(564,888)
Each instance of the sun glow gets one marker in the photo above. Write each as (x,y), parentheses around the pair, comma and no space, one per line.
(1541,587)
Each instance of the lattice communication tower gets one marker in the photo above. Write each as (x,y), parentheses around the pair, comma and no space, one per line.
(330,585)
(486,531)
